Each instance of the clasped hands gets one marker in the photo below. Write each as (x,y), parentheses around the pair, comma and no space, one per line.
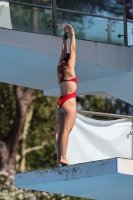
(68,29)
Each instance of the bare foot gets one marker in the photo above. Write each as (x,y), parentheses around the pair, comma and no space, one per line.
(58,159)
(64,160)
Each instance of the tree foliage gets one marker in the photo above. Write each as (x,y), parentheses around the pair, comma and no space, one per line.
(106,105)
(42,129)
(42,124)
(9,141)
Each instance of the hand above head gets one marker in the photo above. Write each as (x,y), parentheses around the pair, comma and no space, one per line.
(65,28)
(70,29)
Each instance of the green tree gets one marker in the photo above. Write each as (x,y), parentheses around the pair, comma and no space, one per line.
(41,131)
(106,105)
(9,136)
(27,124)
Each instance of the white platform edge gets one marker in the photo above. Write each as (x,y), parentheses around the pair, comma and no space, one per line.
(125,166)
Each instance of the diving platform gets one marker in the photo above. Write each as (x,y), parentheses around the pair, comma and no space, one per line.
(102,179)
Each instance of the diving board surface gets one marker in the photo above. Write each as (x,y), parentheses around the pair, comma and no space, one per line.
(103,180)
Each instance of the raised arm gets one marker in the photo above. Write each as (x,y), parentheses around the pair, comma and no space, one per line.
(64,43)
(72,58)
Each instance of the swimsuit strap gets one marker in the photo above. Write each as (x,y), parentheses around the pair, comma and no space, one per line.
(75,79)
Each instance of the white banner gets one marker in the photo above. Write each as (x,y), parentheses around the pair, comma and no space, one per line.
(92,140)
(5,19)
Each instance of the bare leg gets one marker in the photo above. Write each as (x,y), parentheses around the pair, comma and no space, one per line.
(59,126)
(69,109)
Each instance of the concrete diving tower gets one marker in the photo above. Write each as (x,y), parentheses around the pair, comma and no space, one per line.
(30,60)
(110,179)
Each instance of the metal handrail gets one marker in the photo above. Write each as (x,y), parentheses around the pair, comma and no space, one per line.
(105,114)
(65,10)
(108,115)
(89,14)
(54,16)
(29,4)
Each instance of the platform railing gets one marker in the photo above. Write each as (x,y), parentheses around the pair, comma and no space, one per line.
(110,30)
(107,115)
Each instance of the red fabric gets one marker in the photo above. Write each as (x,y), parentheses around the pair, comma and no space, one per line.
(73,79)
(64,98)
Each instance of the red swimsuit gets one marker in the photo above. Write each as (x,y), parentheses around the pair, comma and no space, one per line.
(64,98)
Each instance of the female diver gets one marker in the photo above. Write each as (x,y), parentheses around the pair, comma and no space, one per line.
(66,106)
